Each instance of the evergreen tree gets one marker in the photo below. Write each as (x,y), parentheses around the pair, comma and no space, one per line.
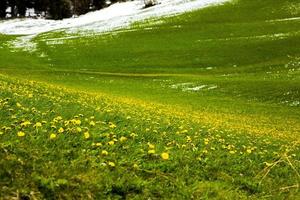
(98,4)
(21,7)
(41,6)
(3,6)
(60,9)
(81,6)
(12,5)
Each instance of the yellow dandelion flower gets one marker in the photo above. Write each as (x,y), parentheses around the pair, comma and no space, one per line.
(206,141)
(232,152)
(86,135)
(38,124)
(1,133)
(52,136)
(188,139)
(104,153)
(111,164)
(112,125)
(152,151)
(77,122)
(249,150)
(133,135)
(123,139)
(184,131)
(151,146)
(19,105)
(21,134)
(165,156)
(135,166)
(59,118)
(26,123)
(111,142)
(78,129)
(92,123)
(98,144)
(61,130)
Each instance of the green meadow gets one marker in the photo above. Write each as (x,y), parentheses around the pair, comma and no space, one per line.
(202,105)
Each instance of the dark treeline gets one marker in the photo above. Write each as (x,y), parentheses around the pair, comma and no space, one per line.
(54,9)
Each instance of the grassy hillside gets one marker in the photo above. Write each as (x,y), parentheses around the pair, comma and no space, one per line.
(217,90)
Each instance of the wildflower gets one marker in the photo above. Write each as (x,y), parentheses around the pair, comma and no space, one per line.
(112,125)
(86,135)
(165,156)
(232,152)
(206,140)
(152,151)
(249,151)
(104,153)
(58,118)
(21,134)
(52,136)
(133,135)
(26,123)
(184,131)
(78,129)
(188,139)
(92,123)
(98,144)
(1,133)
(111,164)
(111,142)
(151,146)
(19,105)
(123,139)
(77,122)
(61,130)
(135,166)
(38,124)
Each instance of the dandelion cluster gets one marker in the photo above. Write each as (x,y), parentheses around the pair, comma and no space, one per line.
(53,131)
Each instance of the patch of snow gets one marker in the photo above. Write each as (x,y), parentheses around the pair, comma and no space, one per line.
(212,87)
(118,15)
(197,88)
(193,87)
(285,19)
(24,43)
(180,85)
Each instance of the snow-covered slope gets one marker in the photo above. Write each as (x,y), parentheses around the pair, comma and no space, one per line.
(116,16)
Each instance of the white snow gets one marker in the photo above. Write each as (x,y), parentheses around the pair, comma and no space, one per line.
(192,87)
(116,16)
(197,88)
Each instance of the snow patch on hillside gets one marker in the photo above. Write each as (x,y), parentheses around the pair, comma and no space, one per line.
(117,16)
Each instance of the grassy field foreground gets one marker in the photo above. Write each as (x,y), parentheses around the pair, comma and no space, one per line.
(203,105)
(59,143)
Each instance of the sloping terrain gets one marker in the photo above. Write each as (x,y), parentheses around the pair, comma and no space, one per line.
(204,104)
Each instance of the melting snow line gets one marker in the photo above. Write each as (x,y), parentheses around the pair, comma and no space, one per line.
(116,16)
(285,19)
